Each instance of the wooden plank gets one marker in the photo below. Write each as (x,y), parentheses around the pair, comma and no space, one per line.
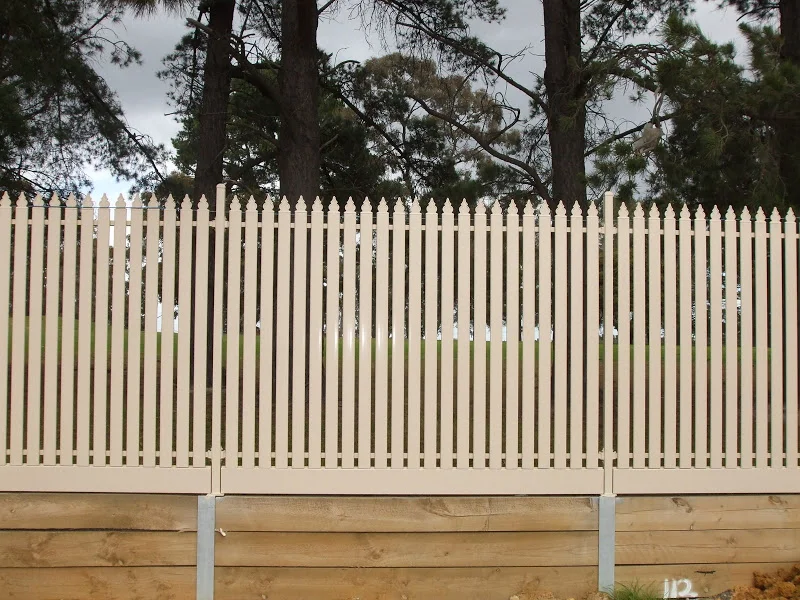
(715,546)
(463,549)
(98,511)
(706,580)
(234,583)
(708,512)
(303,513)
(96,548)
(98,583)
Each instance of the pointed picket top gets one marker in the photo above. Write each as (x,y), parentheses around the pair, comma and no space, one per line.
(623,211)
(670,212)
(201,205)
(431,208)
(561,210)
(715,214)
(317,206)
(745,216)
(136,203)
(153,203)
(730,214)
(5,200)
(72,201)
(284,205)
(104,202)
(760,216)
(496,208)
(480,208)
(576,210)
(685,212)
(186,203)
(592,212)
(87,202)
(251,204)
(447,209)
(38,200)
(654,213)
(512,208)
(638,212)
(366,206)
(545,209)
(120,202)
(790,218)
(301,204)
(169,203)
(399,206)
(463,208)
(700,214)
(527,208)
(776,216)
(350,206)
(235,204)
(55,201)
(415,206)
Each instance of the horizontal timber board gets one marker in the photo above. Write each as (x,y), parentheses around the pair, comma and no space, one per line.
(706,580)
(235,583)
(98,583)
(659,513)
(538,549)
(441,513)
(413,482)
(148,512)
(720,546)
(97,548)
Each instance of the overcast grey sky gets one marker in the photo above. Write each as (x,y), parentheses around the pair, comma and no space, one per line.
(143,95)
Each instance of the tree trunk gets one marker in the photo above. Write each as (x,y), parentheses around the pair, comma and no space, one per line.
(214,109)
(299,157)
(212,138)
(789,134)
(566,106)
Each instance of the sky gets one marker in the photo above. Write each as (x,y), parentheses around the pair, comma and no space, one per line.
(144,97)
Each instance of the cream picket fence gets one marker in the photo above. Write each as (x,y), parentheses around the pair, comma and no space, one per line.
(405,349)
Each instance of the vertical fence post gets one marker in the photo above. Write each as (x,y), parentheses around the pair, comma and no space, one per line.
(608,342)
(606,542)
(206,525)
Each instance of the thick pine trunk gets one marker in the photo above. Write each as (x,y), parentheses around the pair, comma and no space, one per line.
(214,108)
(299,157)
(212,136)
(566,107)
(789,133)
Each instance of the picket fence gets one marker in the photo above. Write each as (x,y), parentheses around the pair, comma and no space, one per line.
(396,350)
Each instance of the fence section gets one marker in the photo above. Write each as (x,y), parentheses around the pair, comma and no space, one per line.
(391,348)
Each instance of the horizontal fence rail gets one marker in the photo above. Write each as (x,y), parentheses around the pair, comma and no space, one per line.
(399,347)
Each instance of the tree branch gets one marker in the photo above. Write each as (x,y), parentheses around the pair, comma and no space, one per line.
(603,36)
(625,134)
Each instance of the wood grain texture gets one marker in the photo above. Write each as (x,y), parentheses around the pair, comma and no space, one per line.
(302,513)
(96,549)
(98,511)
(269,549)
(235,583)
(661,513)
(100,583)
(721,546)
(707,580)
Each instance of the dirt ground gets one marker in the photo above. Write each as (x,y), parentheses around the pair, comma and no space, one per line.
(784,584)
